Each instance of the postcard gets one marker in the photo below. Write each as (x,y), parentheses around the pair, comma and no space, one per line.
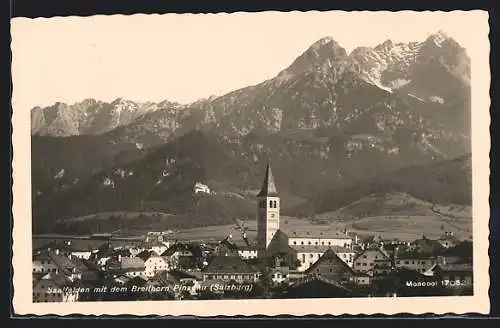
(251,163)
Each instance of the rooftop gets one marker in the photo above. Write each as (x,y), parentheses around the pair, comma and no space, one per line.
(129,263)
(329,234)
(229,264)
(320,249)
(62,261)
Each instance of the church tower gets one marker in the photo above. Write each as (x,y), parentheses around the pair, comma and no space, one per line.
(268,212)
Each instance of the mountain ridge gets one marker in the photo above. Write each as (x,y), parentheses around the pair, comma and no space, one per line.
(325,51)
(329,119)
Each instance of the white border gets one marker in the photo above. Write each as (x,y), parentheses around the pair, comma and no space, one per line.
(479,303)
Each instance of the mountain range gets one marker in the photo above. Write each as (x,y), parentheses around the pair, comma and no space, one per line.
(331,123)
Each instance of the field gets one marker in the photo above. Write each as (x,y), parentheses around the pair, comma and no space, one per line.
(401,227)
(388,215)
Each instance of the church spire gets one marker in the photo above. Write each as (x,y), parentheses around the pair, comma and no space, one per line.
(268,187)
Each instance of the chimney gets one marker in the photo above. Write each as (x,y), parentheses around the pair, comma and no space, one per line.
(119,258)
(57,251)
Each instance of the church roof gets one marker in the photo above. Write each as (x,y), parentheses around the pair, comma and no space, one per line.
(320,249)
(268,186)
(328,234)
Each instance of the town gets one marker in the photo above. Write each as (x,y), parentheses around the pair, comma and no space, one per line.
(328,264)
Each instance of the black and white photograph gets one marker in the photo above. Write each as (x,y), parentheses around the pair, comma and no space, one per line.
(206,159)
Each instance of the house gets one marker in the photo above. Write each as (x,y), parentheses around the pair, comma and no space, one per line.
(244,249)
(332,267)
(56,287)
(307,255)
(169,284)
(453,275)
(461,253)
(153,263)
(56,262)
(372,261)
(80,248)
(156,246)
(425,245)
(132,266)
(181,255)
(42,261)
(414,261)
(200,187)
(158,236)
(228,268)
(190,282)
(448,240)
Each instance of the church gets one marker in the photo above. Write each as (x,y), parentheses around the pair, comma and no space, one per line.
(292,251)
(302,249)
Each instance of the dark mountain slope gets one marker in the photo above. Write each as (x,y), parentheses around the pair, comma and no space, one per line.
(448,182)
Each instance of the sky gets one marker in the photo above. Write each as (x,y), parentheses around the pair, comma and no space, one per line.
(185,57)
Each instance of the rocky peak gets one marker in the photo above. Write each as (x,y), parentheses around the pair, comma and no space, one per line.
(318,53)
(438,38)
(387,45)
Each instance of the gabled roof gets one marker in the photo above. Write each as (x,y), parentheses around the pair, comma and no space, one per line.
(373,249)
(228,264)
(62,261)
(268,186)
(330,256)
(428,245)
